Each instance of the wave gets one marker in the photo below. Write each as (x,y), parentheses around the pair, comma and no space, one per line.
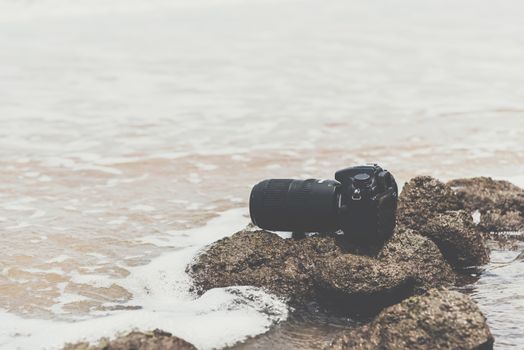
(161,299)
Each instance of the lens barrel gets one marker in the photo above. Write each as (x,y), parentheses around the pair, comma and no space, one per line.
(295,205)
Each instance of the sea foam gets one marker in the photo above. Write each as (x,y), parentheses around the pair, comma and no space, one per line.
(161,293)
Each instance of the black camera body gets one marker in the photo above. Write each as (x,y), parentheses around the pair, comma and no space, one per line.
(362,203)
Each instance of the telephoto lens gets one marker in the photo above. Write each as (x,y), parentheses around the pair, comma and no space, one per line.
(362,203)
(295,205)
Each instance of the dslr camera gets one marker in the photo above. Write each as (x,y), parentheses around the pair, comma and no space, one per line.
(362,203)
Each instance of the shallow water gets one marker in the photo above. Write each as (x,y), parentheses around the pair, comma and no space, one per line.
(499,294)
(126,124)
(307,328)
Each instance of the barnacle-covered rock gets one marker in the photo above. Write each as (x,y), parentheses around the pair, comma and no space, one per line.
(156,340)
(431,208)
(439,319)
(318,269)
(263,259)
(422,198)
(500,203)
(458,239)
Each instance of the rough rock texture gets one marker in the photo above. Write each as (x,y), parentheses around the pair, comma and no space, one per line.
(437,320)
(500,203)
(317,268)
(360,284)
(156,340)
(408,264)
(458,238)
(431,208)
(263,259)
(422,198)
(420,258)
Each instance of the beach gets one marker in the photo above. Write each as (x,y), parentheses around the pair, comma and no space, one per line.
(132,133)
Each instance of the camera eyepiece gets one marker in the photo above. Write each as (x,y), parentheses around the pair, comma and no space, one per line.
(361,202)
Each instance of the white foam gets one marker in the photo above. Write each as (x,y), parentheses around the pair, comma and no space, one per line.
(205,166)
(140,207)
(161,289)
(92,280)
(38,214)
(476,217)
(118,221)
(44,178)
(201,321)
(59,259)
(194,178)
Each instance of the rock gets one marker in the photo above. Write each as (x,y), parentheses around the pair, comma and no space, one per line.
(439,319)
(360,284)
(420,258)
(156,340)
(484,193)
(505,241)
(458,239)
(263,259)
(408,264)
(432,209)
(317,268)
(500,203)
(423,197)
(498,221)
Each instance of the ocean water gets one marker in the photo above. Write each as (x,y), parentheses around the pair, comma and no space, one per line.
(132,131)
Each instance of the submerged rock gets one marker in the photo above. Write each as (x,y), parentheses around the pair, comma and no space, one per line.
(437,320)
(318,268)
(432,209)
(500,203)
(156,340)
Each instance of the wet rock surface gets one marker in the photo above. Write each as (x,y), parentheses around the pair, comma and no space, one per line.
(263,259)
(500,203)
(422,198)
(432,209)
(156,340)
(437,320)
(458,238)
(319,268)
(420,258)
